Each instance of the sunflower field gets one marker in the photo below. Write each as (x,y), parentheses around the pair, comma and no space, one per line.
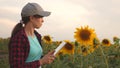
(86,51)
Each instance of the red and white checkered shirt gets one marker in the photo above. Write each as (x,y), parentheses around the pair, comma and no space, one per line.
(19,47)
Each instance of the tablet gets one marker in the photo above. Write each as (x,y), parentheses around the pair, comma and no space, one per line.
(59,47)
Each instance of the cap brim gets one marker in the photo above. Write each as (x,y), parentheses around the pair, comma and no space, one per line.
(45,13)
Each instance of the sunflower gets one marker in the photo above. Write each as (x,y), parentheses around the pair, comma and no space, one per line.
(85,36)
(91,50)
(84,50)
(47,39)
(85,53)
(116,39)
(59,53)
(78,51)
(96,42)
(58,42)
(68,48)
(106,42)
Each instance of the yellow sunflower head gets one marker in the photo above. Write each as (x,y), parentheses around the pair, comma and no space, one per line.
(106,42)
(47,39)
(85,36)
(68,48)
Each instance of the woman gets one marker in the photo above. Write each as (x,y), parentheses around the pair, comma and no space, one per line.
(25,49)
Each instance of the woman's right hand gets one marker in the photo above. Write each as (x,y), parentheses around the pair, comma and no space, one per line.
(48,58)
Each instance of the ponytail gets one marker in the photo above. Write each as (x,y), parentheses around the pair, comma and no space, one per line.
(17,28)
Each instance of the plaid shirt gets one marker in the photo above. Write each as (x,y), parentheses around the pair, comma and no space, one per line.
(19,48)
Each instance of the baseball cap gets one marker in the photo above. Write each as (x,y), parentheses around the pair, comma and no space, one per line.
(31,9)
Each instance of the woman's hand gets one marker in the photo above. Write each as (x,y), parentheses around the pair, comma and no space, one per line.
(48,58)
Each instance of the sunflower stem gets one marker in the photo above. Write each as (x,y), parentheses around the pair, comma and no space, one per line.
(118,44)
(87,61)
(93,58)
(81,57)
(87,57)
(104,56)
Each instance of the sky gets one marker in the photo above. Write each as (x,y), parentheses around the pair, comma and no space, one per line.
(66,16)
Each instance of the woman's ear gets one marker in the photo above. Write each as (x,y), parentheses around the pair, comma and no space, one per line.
(31,18)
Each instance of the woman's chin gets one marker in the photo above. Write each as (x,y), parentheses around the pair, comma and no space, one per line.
(38,27)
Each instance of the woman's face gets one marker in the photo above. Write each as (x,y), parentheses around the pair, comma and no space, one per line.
(37,22)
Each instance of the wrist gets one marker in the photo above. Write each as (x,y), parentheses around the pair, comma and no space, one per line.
(41,63)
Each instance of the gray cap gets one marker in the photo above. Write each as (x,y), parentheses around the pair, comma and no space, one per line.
(31,9)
